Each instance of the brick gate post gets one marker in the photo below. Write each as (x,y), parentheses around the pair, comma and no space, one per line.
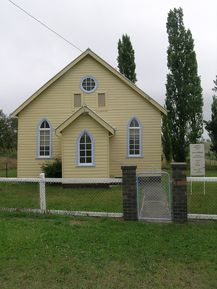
(179,193)
(129,190)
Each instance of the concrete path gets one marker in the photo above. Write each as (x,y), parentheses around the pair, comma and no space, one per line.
(154,203)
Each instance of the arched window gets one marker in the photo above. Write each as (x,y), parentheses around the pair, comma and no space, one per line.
(134,138)
(85,152)
(44,139)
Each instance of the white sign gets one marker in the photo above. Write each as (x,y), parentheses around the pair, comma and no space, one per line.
(197,160)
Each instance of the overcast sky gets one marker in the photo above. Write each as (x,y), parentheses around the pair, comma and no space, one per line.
(30,55)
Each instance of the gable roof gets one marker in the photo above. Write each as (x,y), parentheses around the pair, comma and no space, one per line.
(103,63)
(85,110)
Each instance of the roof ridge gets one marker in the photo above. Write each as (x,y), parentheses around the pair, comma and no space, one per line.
(103,63)
(79,112)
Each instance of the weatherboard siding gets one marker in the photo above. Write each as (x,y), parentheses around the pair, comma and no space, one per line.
(56,103)
(100,135)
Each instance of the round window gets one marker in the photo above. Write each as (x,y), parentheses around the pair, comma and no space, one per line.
(88,84)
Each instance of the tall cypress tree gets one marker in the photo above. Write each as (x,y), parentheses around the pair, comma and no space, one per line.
(166,140)
(211,125)
(126,58)
(184,102)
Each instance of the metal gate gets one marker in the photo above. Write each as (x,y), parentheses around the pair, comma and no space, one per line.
(154,196)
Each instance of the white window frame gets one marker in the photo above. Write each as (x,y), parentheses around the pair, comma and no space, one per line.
(129,128)
(39,129)
(78,150)
(92,90)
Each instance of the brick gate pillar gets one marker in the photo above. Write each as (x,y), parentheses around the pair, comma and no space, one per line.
(129,190)
(179,193)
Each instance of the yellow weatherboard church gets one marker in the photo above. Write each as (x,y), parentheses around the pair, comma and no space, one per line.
(91,117)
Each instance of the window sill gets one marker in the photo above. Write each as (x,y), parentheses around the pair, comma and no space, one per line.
(136,157)
(43,158)
(85,166)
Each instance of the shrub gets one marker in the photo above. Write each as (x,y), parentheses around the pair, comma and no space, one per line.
(53,170)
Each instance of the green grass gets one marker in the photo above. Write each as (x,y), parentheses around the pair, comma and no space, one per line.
(9,154)
(92,199)
(21,195)
(12,173)
(61,252)
(200,203)
(105,200)
(8,164)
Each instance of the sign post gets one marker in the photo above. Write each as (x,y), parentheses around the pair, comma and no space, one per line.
(197,162)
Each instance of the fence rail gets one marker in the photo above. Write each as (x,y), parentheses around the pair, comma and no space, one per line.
(19,180)
(202,179)
(64,180)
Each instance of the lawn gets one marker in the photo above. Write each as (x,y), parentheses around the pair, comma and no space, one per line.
(201,203)
(100,200)
(15,195)
(11,173)
(8,164)
(24,195)
(62,252)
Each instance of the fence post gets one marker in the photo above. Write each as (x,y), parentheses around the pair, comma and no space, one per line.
(179,193)
(129,190)
(42,192)
(6,170)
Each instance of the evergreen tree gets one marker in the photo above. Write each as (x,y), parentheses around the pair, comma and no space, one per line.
(3,131)
(166,141)
(8,133)
(184,102)
(211,126)
(126,58)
